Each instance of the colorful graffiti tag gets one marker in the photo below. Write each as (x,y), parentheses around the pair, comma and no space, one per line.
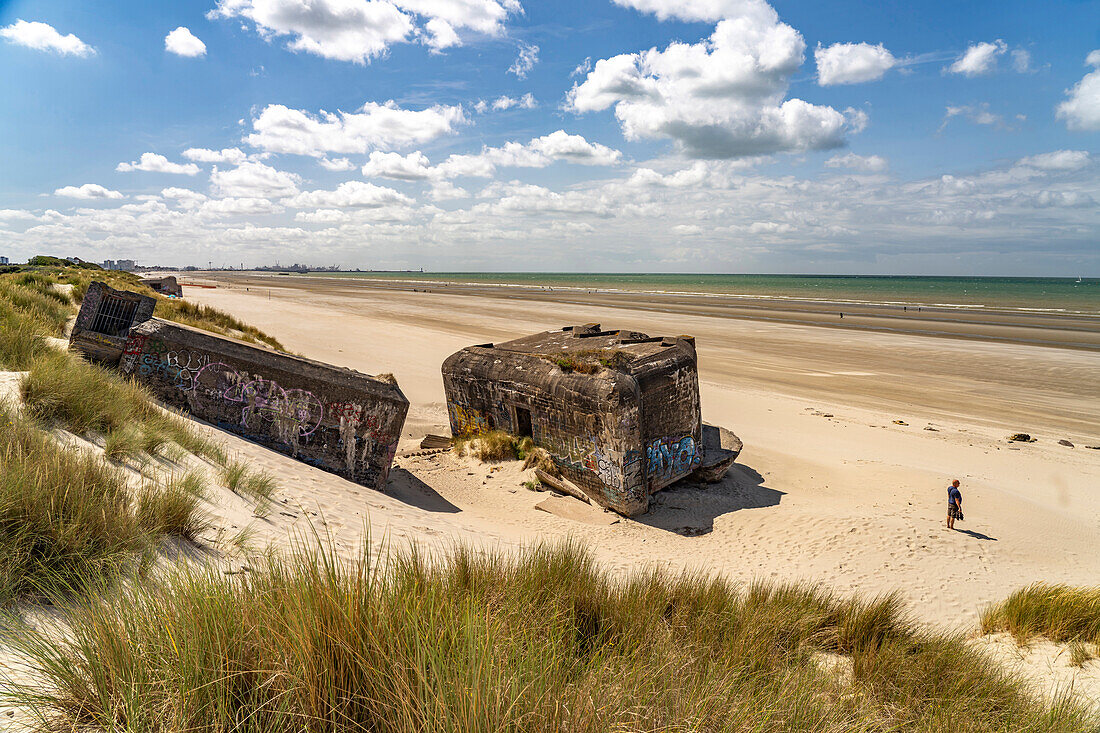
(667,457)
(296,412)
(466,420)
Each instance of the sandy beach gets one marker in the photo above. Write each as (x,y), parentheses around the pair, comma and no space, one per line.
(851,437)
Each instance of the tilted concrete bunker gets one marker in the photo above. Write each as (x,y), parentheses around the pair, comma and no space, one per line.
(103,324)
(167,285)
(334,418)
(617,410)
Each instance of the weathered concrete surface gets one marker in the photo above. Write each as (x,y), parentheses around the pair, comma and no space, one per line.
(721,448)
(164,285)
(104,321)
(617,410)
(337,419)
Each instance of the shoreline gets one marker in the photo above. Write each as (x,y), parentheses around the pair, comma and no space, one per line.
(1057,330)
(440,280)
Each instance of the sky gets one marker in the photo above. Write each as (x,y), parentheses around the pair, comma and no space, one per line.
(654,136)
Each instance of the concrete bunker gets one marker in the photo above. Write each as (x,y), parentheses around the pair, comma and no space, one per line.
(103,324)
(618,410)
(336,419)
(167,285)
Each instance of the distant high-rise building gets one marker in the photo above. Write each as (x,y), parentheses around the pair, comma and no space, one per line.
(3,260)
(119,265)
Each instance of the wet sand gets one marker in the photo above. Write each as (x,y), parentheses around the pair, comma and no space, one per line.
(990,367)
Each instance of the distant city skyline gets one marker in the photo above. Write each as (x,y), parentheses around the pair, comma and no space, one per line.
(615,136)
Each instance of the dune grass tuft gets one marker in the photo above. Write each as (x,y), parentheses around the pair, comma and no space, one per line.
(27,316)
(239,478)
(21,339)
(172,509)
(541,642)
(122,443)
(1060,613)
(43,307)
(493,446)
(64,516)
(86,398)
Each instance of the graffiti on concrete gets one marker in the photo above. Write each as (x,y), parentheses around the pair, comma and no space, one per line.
(295,413)
(672,457)
(604,466)
(466,421)
(147,357)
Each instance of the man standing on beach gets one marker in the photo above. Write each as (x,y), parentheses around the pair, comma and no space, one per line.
(954,504)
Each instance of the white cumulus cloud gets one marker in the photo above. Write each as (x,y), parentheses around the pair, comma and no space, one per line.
(540,152)
(351,195)
(979,59)
(1059,160)
(692,10)
(560,145)
(183,42)
(336,164)
(279,129)
(411,167)
(720,98)
(153,163)
(44,37)
(87,191)
(185,197)
(234,156)
(866,163)
(527,101)
(852,63)
(1081,110)
(254,180)
(360,30)
(441,34)
(525,61)
(8,214)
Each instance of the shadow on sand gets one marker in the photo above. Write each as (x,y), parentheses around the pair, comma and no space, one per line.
(414,492)
(689,508)
(976,535)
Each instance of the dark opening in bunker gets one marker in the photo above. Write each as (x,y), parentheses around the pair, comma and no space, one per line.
(115,316)
(523,422)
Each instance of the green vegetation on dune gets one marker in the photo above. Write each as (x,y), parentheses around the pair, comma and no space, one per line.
(478,642)
(67,517)
(1060,613)
(87,399)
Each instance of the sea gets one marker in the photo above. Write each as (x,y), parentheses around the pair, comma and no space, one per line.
(1070,296)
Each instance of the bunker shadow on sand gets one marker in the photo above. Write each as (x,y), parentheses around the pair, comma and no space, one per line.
(689,509)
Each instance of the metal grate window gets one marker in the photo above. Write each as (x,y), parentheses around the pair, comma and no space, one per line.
(114,317)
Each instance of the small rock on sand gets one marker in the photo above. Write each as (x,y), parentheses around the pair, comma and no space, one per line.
(1021,438)
(1065,442)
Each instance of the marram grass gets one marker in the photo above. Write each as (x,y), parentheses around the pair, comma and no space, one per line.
(1060,613)
(68,518)
(84,398)
(539,642)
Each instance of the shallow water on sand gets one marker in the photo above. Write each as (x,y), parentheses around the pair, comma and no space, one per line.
(1029,294)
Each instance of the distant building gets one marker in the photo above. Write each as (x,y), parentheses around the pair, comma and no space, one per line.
(126,265)
(4,261)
